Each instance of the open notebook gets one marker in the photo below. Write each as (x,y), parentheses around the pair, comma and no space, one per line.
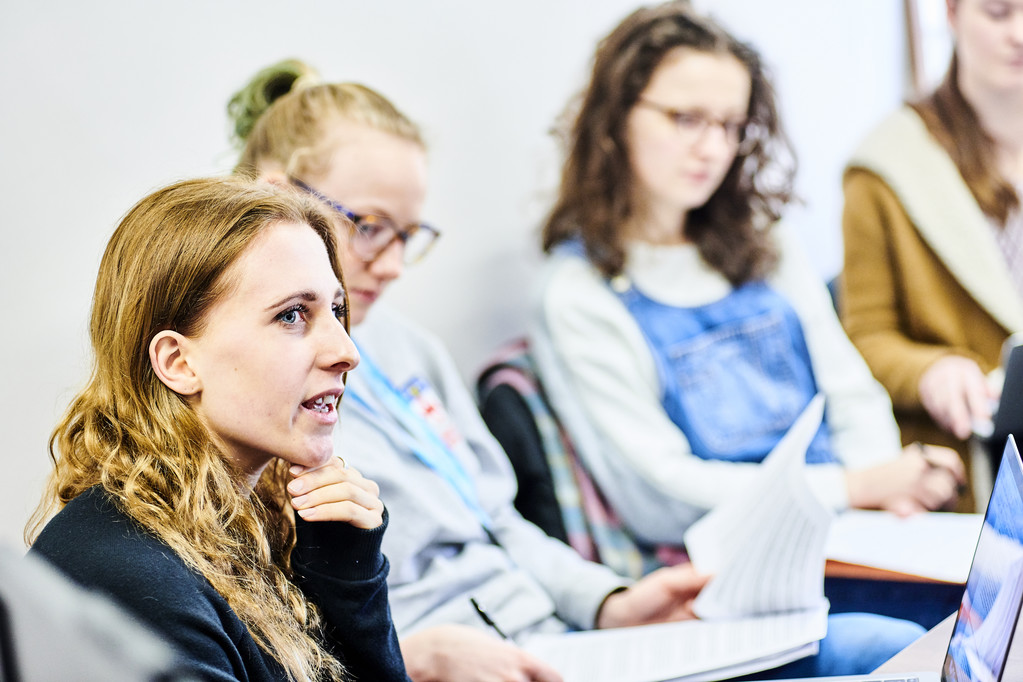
(986,621)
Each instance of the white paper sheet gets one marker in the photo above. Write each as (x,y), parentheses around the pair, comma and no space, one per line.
(690,650)
(765,545)
(934,545)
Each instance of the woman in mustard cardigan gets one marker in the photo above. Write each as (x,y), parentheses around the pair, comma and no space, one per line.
(933,277)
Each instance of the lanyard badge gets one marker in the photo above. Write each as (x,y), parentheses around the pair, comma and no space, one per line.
(424,402)
(425,429)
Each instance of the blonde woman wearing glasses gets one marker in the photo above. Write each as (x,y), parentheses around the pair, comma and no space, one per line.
(464,565)
(679,332)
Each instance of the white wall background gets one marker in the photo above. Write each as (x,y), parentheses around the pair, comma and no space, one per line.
(104,101)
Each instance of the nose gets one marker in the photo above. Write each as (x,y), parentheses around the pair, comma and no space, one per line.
(713,143)
(338,352)
(390,263)
(1016,26)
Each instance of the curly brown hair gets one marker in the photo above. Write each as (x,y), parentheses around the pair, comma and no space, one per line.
(595,200)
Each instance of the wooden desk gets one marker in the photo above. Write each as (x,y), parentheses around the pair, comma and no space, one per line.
(841,569)
(928,653)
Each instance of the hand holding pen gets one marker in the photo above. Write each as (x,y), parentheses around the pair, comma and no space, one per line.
(936,483)
(460,653)
(924,477)
(946,462)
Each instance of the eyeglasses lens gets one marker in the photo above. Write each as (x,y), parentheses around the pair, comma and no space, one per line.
(375,233)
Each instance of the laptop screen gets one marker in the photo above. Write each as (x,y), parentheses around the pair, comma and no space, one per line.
(994,590)
(1008,419)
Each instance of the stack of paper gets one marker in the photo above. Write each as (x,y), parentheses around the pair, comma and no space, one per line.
(765,545)
(692,651)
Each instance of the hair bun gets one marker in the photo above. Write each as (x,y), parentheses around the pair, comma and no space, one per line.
(248,104)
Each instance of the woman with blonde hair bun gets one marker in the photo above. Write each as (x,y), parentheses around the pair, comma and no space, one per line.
(219,327)
(351,148)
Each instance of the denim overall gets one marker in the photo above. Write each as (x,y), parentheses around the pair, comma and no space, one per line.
(735,374)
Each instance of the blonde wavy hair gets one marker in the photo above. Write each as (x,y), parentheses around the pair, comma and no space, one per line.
(284,116)
(166,264)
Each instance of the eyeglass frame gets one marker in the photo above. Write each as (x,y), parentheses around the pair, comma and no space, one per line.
(359,220)
(745,138)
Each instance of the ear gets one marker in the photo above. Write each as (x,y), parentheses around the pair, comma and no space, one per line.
(167,355)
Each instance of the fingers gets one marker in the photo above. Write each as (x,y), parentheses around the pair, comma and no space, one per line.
(332,472)
(465,654)
(978,399)
(680,610)
(904,506)
(924,477)
(335,493)
(947,459)
(957,417)
(937,489)
(937,391)
(510,664)
(876,487)
(696,580)
(339,502)
(955,393)
(689,610)
(662,596)
(539,671)
(936,473)
(683,580)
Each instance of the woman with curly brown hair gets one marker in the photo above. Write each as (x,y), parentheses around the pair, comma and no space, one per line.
(679,332)
(219,326)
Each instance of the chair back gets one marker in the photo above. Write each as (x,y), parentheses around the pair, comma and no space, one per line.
(555,490)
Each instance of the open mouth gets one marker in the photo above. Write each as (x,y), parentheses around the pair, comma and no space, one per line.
(324,404)
(323,408)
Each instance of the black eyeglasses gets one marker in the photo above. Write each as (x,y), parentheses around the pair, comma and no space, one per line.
(693,124)
(374,233)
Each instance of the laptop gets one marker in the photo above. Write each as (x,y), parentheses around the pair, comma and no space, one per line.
(986,620)
(1008,418)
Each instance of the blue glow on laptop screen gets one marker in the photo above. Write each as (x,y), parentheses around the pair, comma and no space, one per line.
(990,606)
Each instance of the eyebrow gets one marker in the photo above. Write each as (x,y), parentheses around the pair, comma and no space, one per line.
(308,296)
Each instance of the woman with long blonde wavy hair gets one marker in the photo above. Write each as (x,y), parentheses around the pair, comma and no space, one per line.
(219,327)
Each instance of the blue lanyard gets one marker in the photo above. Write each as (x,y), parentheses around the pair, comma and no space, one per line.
(420,438)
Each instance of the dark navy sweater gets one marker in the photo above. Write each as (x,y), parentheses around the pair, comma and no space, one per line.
(339,567)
